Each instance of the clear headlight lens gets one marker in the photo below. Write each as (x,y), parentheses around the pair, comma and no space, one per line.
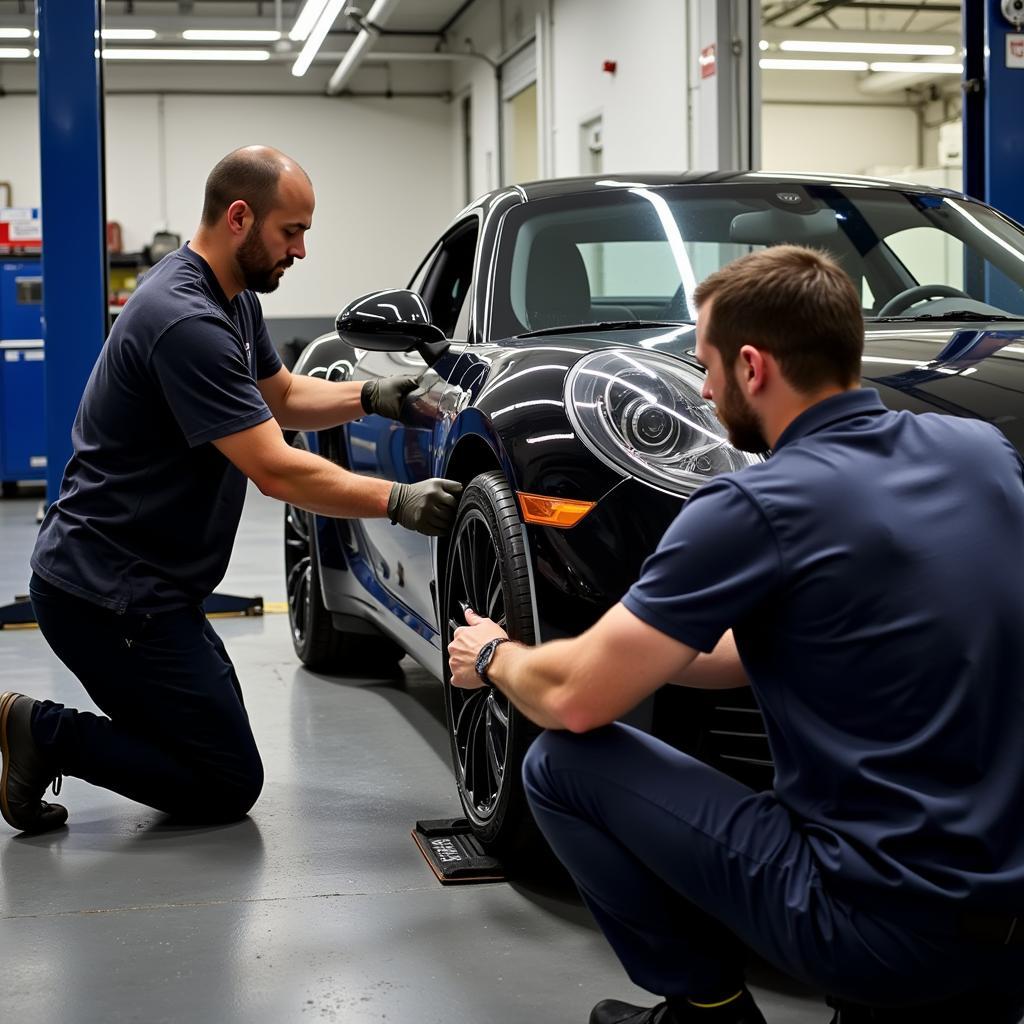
(642,413)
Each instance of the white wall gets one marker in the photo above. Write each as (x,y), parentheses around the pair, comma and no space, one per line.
(382,170)
(797,137)
(643,106)
(19,155)
(821,121)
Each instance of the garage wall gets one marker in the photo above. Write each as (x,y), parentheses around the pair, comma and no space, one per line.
(382,170)
(642,106)
(799,137)
(823,122)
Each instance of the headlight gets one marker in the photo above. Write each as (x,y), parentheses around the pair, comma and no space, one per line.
(642,413)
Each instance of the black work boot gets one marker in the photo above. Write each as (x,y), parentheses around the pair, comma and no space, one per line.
(737,1011)
(26,772)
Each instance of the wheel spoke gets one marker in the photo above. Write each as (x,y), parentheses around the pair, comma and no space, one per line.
(473,744)
(498,712)
(495,763)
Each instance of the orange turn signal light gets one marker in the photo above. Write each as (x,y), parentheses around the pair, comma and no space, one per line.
(560,512)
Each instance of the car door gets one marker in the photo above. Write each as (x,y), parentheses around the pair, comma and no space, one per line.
(400,559)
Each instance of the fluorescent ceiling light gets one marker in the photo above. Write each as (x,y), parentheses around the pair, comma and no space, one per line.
(14,53)
(15,33)
(128,33)
(316,37)
(181,54)
(921,67)
(227,35)
(775,64)
(897,49)
(763,45)
(306,20)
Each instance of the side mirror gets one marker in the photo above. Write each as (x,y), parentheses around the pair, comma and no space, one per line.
(391,321)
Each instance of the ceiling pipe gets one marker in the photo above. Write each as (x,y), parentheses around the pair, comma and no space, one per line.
(376,17)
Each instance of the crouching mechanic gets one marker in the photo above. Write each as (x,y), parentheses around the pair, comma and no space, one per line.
(865,580)
(187,400)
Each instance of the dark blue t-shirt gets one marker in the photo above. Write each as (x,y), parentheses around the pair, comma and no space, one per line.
(148,508)
(871,572)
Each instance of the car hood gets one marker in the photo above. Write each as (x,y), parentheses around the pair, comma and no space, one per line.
(975,370)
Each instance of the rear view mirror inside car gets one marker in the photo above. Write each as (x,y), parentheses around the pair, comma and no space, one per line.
(770,227)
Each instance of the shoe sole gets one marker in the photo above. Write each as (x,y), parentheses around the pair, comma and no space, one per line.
(6,703)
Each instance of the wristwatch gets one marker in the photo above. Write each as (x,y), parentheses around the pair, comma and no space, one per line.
(483,659)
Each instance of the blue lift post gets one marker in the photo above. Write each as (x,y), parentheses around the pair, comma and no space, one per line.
(74,214)
(993,126)
(75,319)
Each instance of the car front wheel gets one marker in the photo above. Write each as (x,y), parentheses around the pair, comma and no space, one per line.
(487,569)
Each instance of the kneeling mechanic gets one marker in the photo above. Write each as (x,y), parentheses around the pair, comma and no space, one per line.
(187,399)
(865,581)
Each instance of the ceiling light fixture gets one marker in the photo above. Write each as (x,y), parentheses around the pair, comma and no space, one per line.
(921,67)
(182,54)
(230,35)
(776,64)
(128,33)
(316,37)
(896,49)
(14,53)
(15,33)
(307,18)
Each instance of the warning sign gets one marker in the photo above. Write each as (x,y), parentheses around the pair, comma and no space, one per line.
(707,61)
(1015,51)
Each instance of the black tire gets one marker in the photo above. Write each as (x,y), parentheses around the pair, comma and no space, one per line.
(487,569)
(318,644)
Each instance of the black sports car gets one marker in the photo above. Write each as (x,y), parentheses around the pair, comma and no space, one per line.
(551,327)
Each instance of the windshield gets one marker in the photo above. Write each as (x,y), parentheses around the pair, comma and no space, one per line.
(638,253)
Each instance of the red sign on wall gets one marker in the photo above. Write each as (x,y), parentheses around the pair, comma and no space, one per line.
(707,61)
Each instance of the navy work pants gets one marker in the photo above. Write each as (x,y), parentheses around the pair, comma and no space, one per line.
(176,735)
(683,868)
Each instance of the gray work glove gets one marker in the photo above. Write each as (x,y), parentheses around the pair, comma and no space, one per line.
(427,507)
(384,395)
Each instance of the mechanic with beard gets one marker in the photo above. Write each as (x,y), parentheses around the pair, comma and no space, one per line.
(865,581)
(187,399)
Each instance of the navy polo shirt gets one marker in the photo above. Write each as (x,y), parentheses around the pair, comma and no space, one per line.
(148,508)
(871,572)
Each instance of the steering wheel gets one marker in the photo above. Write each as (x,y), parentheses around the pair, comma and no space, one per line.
(903,300)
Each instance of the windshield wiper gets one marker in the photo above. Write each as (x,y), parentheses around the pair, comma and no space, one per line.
(956,314)
(607,325)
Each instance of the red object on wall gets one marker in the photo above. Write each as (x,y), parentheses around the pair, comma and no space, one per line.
(707,61)
(113,236)
(610,66)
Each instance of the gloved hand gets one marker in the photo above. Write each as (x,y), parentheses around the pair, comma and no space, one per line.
(427,507)
(384,395)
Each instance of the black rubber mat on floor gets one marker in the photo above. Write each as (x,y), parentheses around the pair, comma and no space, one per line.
(454,854)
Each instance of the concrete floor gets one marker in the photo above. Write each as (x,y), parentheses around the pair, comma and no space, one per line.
(319,906)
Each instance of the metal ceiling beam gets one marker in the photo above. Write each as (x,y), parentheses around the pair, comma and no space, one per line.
(824,8)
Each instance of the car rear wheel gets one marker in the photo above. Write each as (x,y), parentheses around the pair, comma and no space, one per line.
(487,569)
(318,644)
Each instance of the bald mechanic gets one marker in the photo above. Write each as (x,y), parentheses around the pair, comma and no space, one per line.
(865,581)
(187,400)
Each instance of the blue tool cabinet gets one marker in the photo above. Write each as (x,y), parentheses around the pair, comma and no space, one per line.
(22,377)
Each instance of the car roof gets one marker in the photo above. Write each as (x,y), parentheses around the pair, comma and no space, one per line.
(547,189)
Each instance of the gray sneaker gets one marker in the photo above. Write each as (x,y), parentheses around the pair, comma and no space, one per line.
(26,773)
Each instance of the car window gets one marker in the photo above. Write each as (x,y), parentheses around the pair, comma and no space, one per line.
(929,255)
(446,285)
(639,253)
